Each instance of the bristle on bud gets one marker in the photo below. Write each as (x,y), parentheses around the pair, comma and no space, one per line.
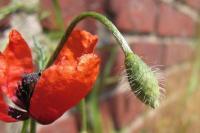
(142,80)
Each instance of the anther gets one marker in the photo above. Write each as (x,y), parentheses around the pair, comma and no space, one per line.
(18,114)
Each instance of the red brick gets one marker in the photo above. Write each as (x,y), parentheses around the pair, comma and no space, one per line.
(70,9)
(174,23)
(124,108)
(105,54)
(157,54)
(151,53)
(65,124)
(134,15)
(194,3)
(95,5)
(176,53)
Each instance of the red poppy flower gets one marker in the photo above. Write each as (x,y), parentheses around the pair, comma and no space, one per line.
(46,96)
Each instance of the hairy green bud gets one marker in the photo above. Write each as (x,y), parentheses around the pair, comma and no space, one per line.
(142,80)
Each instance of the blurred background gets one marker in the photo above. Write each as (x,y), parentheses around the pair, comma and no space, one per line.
(164,33)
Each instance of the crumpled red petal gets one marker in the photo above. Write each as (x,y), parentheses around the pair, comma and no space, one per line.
(19,60)
(66,82)
(3,83)
(79,43)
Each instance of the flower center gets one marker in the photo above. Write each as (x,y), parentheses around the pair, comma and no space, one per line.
(25,89)
(18,114)
(24,92)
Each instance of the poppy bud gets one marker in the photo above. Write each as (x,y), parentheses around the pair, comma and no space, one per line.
(142,80)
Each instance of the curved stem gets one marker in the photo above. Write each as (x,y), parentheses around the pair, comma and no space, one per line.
(106,22)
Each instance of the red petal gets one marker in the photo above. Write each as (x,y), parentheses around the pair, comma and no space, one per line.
(3,83)
(19,59)
(65,83)
(62,86)
(3,72)
(80,42)
(4,111)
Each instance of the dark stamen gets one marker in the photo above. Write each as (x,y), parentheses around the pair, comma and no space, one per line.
(17,114)
(25,89)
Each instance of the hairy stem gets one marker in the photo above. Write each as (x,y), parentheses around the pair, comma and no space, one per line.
(106,22)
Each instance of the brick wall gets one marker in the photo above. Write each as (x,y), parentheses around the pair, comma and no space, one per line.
(160,31)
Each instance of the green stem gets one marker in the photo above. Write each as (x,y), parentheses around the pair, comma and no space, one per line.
(84,116)
(32,126)
(25,126)
(106,22)
(58,14)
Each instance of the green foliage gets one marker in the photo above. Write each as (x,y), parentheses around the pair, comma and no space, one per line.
(41,57)
(14,6)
